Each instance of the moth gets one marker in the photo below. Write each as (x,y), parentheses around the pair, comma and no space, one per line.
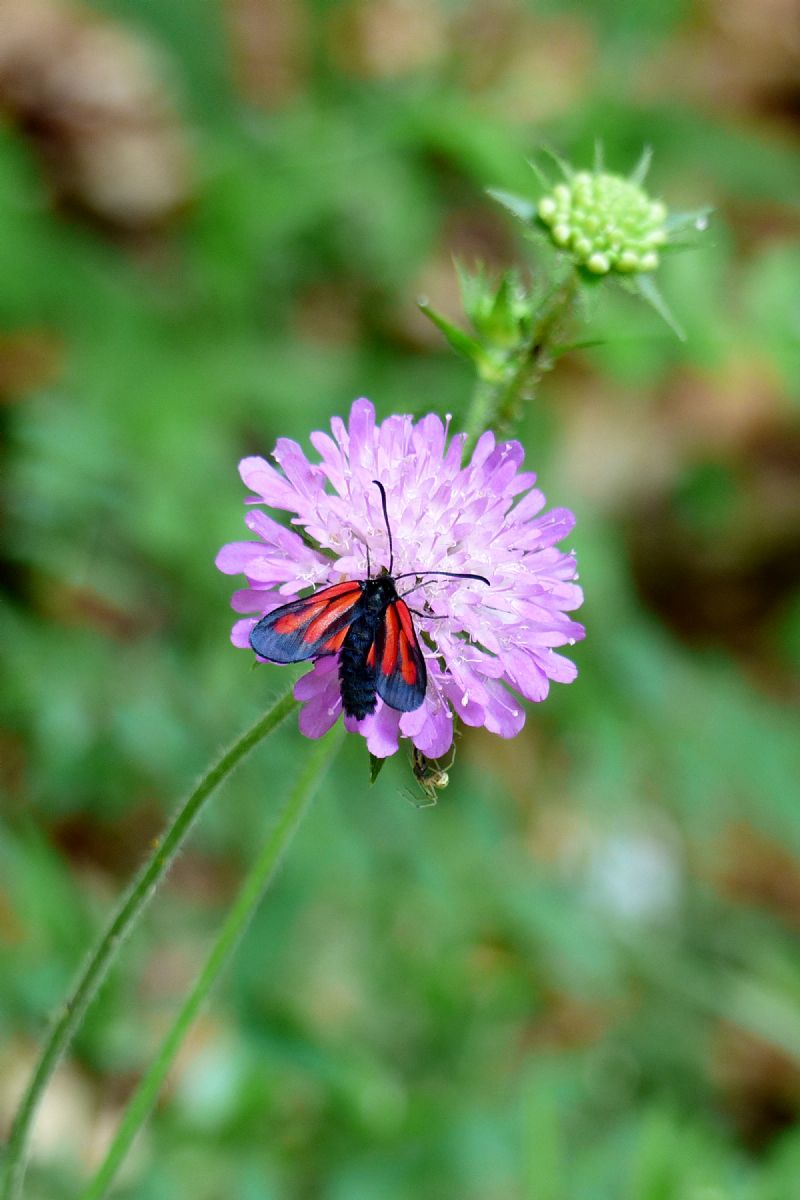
(368,624)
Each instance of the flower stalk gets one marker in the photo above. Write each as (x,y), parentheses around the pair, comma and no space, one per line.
(498,397)
(241,912)
(123,921)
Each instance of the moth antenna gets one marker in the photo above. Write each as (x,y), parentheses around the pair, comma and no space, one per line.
(449,574)
(369,568)
(382,491)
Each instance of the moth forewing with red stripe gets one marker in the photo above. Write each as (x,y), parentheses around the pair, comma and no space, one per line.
(402,678)
(311,627)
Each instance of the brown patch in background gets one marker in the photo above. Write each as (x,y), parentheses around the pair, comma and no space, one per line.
(29,359)
(734,55)
(270,45)
(387,39)
(754,869)
(93,98)
(758,1085)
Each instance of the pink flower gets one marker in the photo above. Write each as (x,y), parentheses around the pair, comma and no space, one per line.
(484,518)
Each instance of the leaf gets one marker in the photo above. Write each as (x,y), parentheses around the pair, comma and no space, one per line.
(476,290)
(693,222)
(508,308)
(460,341)
(585,344)
(375,767)
(524,210)
(639,172)
(644,286)
(562,164)
(504,295)
(546,183)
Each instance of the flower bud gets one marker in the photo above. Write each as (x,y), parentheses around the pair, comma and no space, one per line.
(607,223)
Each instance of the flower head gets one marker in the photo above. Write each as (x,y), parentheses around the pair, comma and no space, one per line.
(483,518)
(607,223)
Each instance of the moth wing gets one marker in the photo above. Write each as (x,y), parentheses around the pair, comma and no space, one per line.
(309,628)
(401,676)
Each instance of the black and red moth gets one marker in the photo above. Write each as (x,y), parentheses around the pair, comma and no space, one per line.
(368,624)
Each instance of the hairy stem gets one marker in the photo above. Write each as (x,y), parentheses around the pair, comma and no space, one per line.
(130,910)
(244,906)
(497,402)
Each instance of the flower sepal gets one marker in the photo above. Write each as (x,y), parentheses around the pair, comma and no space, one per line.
(685,229)
(376,765)
(503,314)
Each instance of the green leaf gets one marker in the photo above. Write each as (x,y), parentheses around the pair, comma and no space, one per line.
(476,291)
(524,210)
(693,222)
(460,341)
(585,344)
(562,164)
(507,310)
(639,172)
(504,296)
(546,182)
(644,286)
(375,767)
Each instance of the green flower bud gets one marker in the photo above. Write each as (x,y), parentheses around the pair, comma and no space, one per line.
(606,222)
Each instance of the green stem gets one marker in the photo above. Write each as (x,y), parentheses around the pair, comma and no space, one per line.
(496,403)
(480,415)
(244,906)
(101,958)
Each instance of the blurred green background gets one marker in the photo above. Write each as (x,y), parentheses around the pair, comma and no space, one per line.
(578,977)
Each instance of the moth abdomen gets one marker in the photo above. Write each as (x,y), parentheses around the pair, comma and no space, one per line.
(357,677)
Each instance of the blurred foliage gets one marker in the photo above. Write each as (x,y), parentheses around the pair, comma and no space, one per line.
(577,976)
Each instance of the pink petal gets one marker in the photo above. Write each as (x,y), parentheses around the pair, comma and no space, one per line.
(267,483)
(319,690)
(435,737)
(240,634)
(323,675)
(304,478)
(235,558)
(483,448)
(381,729)
(558,668)
(258,600)
(505,716)
(362,430)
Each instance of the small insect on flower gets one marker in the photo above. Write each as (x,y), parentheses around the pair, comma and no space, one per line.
(431,776)
(386,509)
(368,625)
